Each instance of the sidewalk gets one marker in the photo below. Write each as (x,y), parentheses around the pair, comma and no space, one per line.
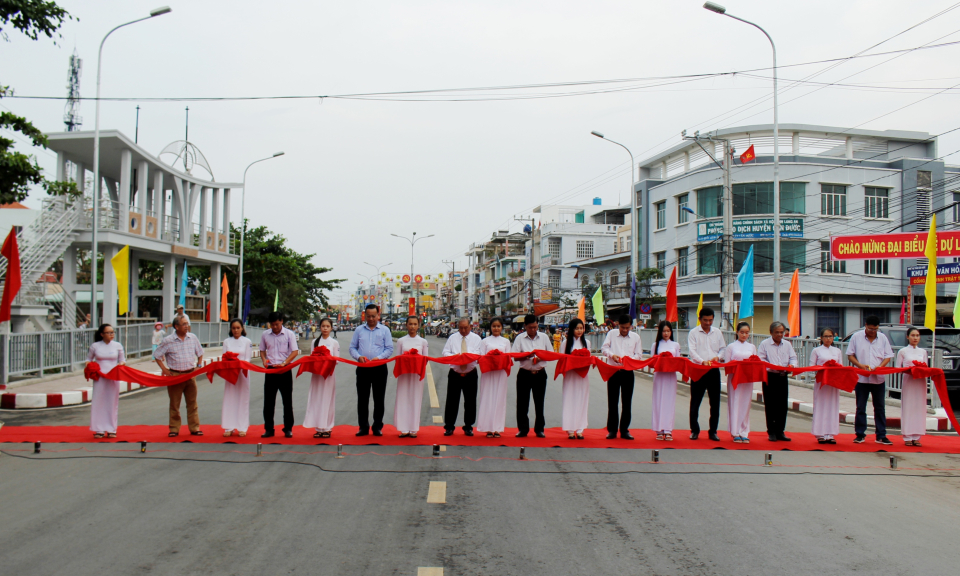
(73,389)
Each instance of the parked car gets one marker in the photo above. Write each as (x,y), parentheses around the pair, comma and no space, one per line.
(948,340)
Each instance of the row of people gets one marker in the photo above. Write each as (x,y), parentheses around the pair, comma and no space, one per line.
(181,352)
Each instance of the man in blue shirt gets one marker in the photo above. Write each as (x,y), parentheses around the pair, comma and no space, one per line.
(371,341)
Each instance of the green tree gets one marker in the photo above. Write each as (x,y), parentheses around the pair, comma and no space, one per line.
(19,171)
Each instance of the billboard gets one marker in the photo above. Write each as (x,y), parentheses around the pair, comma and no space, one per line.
(892,246)
(946,274)
(750,229)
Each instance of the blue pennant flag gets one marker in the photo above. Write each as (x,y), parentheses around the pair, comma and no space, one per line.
(633,298)
(247,296)
(745,280)
(183,287)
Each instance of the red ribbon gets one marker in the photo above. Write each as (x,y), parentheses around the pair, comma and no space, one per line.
(496,360)
(410,362)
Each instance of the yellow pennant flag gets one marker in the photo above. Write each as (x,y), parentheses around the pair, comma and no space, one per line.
(121,269)
(699,308)
(597,302)
(930,288)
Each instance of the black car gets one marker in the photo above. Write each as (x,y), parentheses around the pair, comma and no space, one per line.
(948,340)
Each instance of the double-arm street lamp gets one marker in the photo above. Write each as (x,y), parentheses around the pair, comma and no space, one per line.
(243,222)
(94,315)
(714,7)
(413,240)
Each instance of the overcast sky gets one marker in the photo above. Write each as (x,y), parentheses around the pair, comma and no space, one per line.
(356,171)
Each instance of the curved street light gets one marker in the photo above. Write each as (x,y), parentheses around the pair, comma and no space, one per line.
(243,229)
(413,240)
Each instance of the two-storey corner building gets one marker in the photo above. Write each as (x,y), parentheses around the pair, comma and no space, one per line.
(833,181)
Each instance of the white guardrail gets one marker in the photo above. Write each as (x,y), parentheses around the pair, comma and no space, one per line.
(39,353)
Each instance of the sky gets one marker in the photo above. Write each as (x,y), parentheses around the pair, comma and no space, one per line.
(463,164)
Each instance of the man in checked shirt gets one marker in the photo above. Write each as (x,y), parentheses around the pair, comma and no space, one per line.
(179,353)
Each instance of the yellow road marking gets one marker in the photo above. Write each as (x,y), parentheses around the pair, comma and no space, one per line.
(437,493)
(432,388)
(421,571)
(438,419)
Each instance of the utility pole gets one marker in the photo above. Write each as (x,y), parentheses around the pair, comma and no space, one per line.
(450,282)
(726,247)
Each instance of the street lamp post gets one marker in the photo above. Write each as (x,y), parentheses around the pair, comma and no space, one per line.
(413,240)
(243,229)
(714,7)
(379,295)
(94,315)
(634,218)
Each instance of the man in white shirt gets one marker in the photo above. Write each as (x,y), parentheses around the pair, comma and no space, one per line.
(776,350)
(461,379)
(621,343)
(531,377)
(705,346)
(869,349)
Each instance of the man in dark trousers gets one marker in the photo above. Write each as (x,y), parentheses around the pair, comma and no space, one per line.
(371,341)
(461,380)
(531,377)
(278,347)
(621,343)
(706,346)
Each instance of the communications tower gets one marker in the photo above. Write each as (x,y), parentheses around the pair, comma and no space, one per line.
(71,113)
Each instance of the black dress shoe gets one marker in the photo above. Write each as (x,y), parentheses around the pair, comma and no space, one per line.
(694,435)
(772,437)
(448,432)
(363,432)
(267,435)
(468,432)
(626,436)
(288,434)
(521,435)
(783,437)
(378,432)
(611,436)
(541,435)
(714,437)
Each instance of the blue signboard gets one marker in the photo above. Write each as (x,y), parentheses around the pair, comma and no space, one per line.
(750,229)
(950,269)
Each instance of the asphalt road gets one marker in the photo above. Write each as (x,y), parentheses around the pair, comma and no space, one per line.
(209,509)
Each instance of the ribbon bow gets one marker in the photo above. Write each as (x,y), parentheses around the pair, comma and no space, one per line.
(410,362)
(92,371)
(495,360)
(229,373)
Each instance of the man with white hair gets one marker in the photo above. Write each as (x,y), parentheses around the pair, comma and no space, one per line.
(180,353)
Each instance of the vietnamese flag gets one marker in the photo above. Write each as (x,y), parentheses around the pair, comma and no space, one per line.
(12,285)
(672,315)
(748,155)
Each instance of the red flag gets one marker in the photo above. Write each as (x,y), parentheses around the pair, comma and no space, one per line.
(12,284)
(748,155)
(672,315)
(903,311)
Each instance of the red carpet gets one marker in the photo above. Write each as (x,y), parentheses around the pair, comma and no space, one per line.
(430,435)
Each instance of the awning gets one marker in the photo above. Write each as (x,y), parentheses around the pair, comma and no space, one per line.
(544,309)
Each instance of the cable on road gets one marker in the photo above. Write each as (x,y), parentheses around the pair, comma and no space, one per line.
(891,474)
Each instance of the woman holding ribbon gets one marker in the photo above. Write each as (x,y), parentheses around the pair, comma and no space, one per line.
(235,414)
(406,410)
(576,388)
(913,392)
(492,407)
(664,384)
(322,398)
(738,401)
(826,399)
(105,406)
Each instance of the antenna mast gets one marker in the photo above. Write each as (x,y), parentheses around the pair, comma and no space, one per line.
(71,113)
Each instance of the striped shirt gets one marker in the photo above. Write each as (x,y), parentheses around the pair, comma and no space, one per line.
(179,355)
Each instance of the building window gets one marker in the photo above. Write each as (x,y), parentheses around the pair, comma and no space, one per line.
(661,215)
(876,202)
(831,318)
(709,202)
(924,191)
(682,262)
(833,200)
(793,256)
(584,249)
(876,267)
(683,202)
(956,206)
(578,217)
(880,313)
(584,281)
(598,278)
(553,279)
(661,262)
(828,266)
(793,197)
(553,247)
(708,258)
(753,198)
(614,278)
